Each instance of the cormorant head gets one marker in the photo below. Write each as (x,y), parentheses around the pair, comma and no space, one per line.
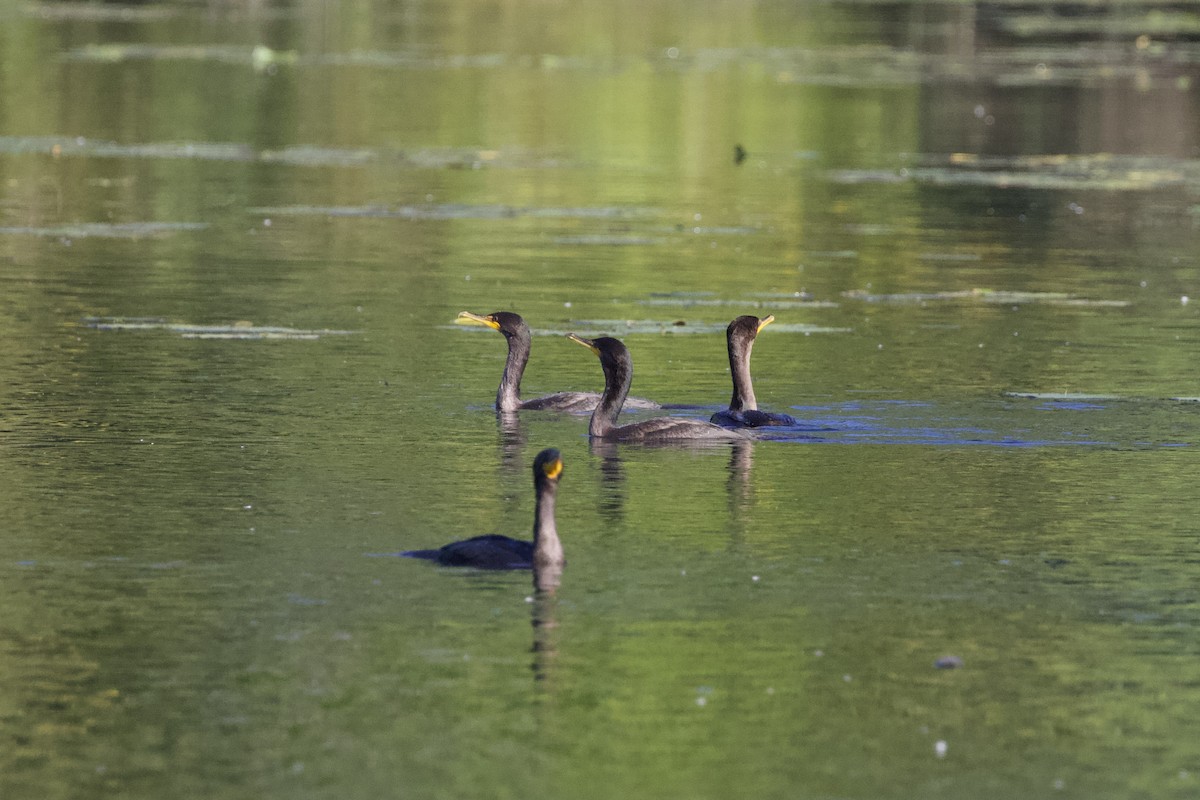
(506,322)
(612,352)
(748,327)
(547,466)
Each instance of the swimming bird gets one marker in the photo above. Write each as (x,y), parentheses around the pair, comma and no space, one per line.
(508,396)
(618,374)
(743,407)
(493,551)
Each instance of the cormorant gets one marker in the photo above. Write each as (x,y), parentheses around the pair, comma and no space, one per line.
(493,551)
(743,407)
(508,396)
(618,374)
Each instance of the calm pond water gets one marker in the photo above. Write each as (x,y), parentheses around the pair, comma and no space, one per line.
(233,241)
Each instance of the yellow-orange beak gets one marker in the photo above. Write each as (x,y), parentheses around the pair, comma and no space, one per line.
(585,342)
(764,322)
(553,469)
(467,318)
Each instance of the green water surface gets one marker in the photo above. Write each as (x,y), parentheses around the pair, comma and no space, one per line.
(234,238)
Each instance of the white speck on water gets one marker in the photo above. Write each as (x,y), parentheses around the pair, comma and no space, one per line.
(528,598)
(267,222)
(702,701)
(754,578)
(1060,784)
(1016,333)
(297,767)
(980,112)
(247,507)
(567,304)
(847,678)
(672,52)
(696,217)
(818,653)
(770,690)
(683,572)
(939,748)
(466,277)
(879,346)
(1144,284)
(1004,562)
(1184,299)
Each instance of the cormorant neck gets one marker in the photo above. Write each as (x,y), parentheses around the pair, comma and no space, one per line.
(547,549)
(508,396)
(617,379)
(739,367)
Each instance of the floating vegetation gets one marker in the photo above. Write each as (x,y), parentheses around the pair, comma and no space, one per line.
(104,230)
(719,230)
(593,327)
(260,57)
(456,211)
(608,240)
(1122,20)
(950,257)
(1107,172)
(846,65)
(624,327)
(1001,297)
(1082,398)
(300,155)
(237,330)
(101,12)
(778,302)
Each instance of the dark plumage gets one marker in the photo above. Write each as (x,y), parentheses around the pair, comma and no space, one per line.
(743,407)
(508,396)
(493,551)
(618,375)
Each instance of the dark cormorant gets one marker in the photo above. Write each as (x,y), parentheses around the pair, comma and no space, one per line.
(618,374)
(743,407)
(493,551)
(508,396)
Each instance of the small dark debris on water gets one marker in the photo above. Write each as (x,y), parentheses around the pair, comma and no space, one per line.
(948,662)
(739,154)
(1055,563)
(679,323)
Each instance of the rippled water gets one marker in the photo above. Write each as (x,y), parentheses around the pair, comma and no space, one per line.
(233,243)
